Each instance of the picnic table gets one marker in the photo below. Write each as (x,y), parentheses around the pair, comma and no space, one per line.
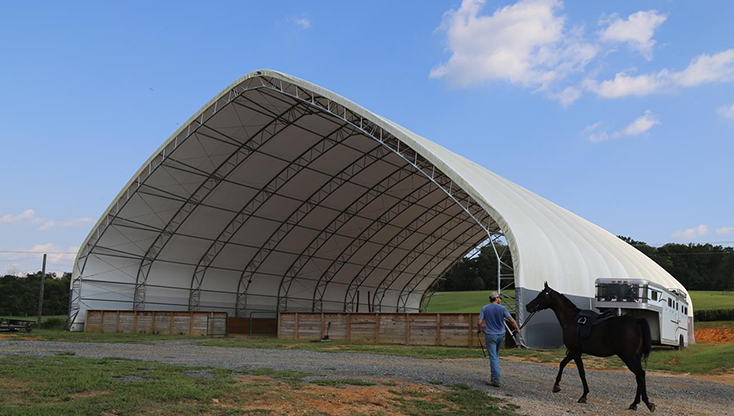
(15,325)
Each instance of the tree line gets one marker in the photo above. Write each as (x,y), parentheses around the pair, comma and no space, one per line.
(19,294)
(695,266)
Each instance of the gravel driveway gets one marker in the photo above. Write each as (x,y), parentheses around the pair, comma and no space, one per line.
(525,384)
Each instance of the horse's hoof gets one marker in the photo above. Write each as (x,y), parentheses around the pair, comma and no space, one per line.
(633,407)
(556,388)
(651,406)
(582,400)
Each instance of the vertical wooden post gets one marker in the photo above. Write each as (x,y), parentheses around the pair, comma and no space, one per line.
(298,323)
(86,321)
(407,329)
(101,328)
(278,332)
(171,331)
(40,295)
(152,330)
(323,326)
(191,323)
(471,330)
(438,329)
(377,328)
(117,323)
(349,326)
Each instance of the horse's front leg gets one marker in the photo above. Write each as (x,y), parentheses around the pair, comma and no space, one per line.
(557,386)
(582,373)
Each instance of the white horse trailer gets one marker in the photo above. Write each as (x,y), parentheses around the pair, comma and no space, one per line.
(666,310)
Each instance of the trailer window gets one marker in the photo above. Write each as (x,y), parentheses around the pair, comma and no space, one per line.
(621,292)
(670,302)
(654,295)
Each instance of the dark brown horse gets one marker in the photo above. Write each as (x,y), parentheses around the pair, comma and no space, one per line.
(627,337)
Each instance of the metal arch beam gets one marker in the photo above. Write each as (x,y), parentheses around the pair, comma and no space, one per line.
(364,236)
(394,179)
(405,233)
(378,153)
(413,255)
(429,291)
(291,170)
(238,156)
(142,177)
(430,266)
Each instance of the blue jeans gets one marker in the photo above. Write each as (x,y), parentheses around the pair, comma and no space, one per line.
(493,343)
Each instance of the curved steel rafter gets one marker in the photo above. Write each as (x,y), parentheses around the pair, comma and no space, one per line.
(413,255)
(364,236)
(408,288)
(140,178)
(335,182)
(429,267)
(365,199)
(306,158)
(395,242)
(229,165)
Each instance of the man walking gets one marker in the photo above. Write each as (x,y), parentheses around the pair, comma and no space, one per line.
(492,319)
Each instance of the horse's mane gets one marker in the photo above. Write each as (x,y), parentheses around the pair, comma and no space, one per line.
(566,300)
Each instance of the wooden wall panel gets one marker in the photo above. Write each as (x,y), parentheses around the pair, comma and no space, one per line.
(449,329)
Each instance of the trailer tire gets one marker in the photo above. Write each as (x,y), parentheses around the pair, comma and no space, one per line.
(681,344)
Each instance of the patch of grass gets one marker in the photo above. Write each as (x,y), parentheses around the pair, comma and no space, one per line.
(64,385)
(458,401)
(345,381)
(285,375)
(338,346)
(65,336)
(711,299)
(472,301)
(696,359)
(467,301)
(714,324)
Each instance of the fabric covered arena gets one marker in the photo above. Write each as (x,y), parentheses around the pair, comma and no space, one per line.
(279,195)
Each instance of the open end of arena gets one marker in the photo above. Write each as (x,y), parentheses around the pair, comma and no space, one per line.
(281,196)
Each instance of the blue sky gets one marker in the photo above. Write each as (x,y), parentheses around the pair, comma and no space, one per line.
(622,112)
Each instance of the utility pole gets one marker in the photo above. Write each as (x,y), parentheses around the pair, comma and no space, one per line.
(40,296)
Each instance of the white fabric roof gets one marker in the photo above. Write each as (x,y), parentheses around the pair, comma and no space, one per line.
(191,216)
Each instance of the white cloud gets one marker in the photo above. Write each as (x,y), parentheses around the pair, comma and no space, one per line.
(568,96)
(524,44)
(725,230)
(77,222)
(29,217)
(707,69)
(300,21)
(637,31)
(24,216)
(726,112)
(691,233)
(640,125)
(703,69)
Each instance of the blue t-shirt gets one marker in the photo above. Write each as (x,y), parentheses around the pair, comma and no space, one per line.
(494,316)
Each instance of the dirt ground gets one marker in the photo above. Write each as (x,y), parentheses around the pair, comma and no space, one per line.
(722,335)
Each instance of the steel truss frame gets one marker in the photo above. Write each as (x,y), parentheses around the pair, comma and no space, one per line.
(305,103)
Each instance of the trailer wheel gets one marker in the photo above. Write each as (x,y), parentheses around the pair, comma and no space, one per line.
(681,344)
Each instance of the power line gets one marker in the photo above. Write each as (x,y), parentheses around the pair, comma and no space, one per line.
(37,252)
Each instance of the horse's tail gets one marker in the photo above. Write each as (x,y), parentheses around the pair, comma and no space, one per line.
(646,337)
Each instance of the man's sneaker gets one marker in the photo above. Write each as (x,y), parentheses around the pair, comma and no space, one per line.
(493,384)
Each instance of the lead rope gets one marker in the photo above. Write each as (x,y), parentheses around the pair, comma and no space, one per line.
(520,344)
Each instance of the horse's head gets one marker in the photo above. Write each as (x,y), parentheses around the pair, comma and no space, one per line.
(542,301)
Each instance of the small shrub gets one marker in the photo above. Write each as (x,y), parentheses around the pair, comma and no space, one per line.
(53,323)
(714,315)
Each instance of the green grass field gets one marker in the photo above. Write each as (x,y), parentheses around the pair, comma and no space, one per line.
(474,300)
(709,299)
